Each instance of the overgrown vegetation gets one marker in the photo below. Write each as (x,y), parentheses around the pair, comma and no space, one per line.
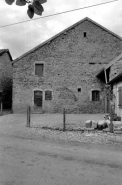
(34,6)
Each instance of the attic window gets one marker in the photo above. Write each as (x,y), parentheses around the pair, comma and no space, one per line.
(39,69)
(84,34)
(79,90)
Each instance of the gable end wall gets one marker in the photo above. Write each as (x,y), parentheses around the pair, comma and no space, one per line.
(71,61)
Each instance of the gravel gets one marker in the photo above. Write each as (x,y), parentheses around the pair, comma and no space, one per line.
(15,126)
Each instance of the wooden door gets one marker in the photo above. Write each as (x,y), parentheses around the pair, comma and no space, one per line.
(38,98)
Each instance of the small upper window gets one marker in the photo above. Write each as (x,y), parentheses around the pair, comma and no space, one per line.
(48,95)
(79,89)
(39,69)
(84,34)
(95,95)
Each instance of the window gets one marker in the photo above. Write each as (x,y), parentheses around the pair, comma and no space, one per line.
(95,95)
(79,90)
(120,96)
(48,95)
(39,69)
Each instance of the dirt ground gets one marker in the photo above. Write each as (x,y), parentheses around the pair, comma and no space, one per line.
(20,120)
(27,157)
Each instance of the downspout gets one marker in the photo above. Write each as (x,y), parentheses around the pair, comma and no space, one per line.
(106,101)
(105,76)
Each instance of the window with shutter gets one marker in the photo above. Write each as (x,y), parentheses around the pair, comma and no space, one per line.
(48,95)
(95,95)
(120,96)
(39,69)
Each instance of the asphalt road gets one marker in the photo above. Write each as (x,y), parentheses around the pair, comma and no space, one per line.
(32,162)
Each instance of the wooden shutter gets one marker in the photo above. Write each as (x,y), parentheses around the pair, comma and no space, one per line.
(39,69)
(120,96)
(48,95)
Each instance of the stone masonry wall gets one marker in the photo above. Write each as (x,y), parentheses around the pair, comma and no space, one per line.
(70,61)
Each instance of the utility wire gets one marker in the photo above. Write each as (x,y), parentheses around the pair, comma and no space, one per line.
(58,13)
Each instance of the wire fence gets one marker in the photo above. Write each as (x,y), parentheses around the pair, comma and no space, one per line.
(63,122)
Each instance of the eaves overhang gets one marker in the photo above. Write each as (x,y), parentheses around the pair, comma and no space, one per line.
(100,73)
(119,77)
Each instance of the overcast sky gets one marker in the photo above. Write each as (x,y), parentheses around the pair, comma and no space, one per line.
(23,37)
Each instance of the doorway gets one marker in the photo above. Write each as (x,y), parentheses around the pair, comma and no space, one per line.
(38,99)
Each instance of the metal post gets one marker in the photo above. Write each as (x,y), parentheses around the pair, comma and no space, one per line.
(28,116)
(64,120)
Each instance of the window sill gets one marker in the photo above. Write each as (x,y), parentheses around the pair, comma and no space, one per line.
(39,76)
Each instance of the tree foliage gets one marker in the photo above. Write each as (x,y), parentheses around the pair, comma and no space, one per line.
(6,96)
(34,6)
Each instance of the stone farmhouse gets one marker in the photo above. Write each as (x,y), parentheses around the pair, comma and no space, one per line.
(6,78)
(68,70)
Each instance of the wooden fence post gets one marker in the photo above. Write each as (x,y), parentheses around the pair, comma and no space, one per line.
(64,120)
(28,116)
(1,106)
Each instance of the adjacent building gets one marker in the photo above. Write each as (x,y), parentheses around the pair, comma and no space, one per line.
(114,74)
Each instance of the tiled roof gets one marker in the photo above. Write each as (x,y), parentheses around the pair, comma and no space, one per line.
(116,78)
(110,64)
(2,51)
